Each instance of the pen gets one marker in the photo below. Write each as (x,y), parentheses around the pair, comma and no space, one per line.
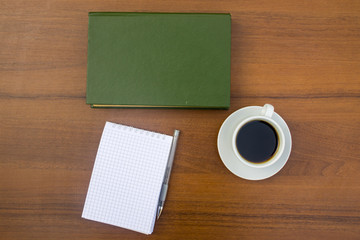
(165,185)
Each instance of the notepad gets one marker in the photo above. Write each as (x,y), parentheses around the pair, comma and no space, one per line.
(127,177)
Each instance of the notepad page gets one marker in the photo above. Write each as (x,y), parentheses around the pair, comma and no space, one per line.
(127,177)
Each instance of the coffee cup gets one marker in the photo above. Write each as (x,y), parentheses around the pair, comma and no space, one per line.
(258,141)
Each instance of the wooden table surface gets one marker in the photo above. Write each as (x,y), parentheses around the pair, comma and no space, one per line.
(301,56)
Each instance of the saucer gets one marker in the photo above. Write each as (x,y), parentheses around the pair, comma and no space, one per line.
(228,156)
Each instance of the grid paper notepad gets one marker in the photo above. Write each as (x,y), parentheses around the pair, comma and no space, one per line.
(127,177)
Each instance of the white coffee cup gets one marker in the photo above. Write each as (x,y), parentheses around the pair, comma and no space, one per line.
(266,115)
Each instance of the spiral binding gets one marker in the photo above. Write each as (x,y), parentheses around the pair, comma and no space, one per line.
(126,128)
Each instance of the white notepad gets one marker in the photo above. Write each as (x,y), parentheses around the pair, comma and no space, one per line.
(127,177)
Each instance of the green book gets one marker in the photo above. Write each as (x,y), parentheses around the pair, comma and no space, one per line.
(174,60)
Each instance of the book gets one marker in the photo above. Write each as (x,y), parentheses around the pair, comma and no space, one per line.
(127,177)
(173,60)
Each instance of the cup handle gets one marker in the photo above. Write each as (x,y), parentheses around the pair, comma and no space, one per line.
(267,110)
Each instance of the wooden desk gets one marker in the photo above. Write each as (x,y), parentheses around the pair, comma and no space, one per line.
(301,56)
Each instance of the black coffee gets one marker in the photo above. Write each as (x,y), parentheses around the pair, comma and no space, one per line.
(257,141)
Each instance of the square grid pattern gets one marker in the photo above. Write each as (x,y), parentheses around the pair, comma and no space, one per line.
(127,177)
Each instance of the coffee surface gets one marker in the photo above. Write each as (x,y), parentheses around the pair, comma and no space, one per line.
(257,141)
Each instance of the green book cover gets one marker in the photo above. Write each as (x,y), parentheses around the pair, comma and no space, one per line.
(159,60)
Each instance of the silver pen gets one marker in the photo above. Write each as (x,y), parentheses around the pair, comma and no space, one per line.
(165,185)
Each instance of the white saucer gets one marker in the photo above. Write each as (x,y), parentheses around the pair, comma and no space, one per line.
(228,156)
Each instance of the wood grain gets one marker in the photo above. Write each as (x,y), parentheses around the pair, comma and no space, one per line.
(301,56)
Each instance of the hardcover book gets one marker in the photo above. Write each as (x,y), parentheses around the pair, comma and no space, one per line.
(174,60)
